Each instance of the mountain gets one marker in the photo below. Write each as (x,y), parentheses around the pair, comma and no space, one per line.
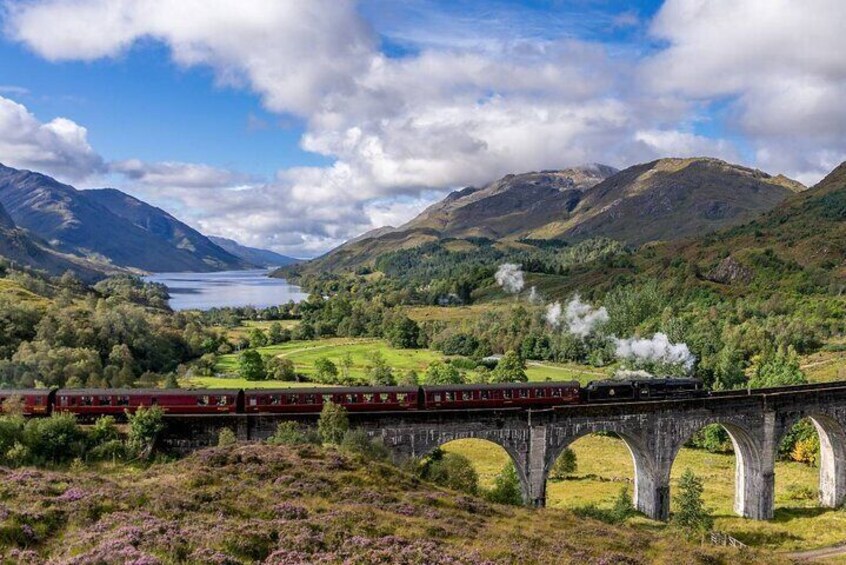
(512,205)
(804,234)
(164,226)
(253,255)
(76,224)
(671,199)
(22,248)
(668,199)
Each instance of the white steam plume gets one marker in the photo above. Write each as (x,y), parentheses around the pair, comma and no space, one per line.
(534,296)
(581,318)
(657,349)
(510,277)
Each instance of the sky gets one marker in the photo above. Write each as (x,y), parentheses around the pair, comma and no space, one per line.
(295,125)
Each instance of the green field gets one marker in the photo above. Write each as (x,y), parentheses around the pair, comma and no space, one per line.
(604,464)
(304,353)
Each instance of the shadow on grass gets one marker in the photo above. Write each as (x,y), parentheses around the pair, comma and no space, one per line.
(784,515)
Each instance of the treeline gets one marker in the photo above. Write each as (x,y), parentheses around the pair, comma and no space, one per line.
(119,333)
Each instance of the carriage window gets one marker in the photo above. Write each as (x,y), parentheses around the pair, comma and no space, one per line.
(202,401)
(524,393)
(539,393)
(350,398)
(223,401)
(328,398)
(123,401)
(401,396)
(556,392)
(486,395)
(508,394)
(275,399)
(383,396)
(104,401)
(310,398)
(368,397)
(449,396)
(253,401)
(466,395)
(87,401)
(437,396)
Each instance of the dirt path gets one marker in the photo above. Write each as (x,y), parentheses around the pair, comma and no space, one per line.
(312,348)
(818,554)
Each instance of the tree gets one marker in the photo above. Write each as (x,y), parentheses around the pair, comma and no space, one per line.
(145,425)
(346,365)
(510,369)
(257,338)
(333,423)
(379,373)
(565,465)
(280,369)
(325,370)
(409,378)
(251,365)
(506,488)
(440,373)
(692,516)
(402,332)
(276,334)
(778,368)
(623,508)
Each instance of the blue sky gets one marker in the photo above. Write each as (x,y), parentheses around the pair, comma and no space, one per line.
(298,125)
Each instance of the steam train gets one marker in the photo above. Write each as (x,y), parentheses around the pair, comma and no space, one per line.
(91,403)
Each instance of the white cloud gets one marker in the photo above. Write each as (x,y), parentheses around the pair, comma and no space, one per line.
(476,100)
(59,147)
(780,65)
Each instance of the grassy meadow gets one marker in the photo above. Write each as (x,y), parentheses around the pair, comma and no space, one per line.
(304,353)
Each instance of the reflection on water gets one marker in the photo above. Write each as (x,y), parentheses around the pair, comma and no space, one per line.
(201,291)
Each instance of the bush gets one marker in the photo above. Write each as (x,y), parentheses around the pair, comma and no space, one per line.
(357,441)
(510,369)
(226,437)
(104,430)
(450,470)
(565,465)
(280,369)
(440,373)
(111,450)
(291,433)
(506,488)
(55,439)
(145,425)
(333,423)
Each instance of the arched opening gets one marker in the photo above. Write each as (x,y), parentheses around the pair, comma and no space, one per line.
(497,471)
(591,472)
(726,459)
(811,467)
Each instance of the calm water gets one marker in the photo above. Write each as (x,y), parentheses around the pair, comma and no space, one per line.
(201,291)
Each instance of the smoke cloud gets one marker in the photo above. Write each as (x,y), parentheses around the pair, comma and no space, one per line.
(581,318)
(510,277)
(657,350)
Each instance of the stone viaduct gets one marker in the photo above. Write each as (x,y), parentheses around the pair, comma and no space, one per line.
(654,432)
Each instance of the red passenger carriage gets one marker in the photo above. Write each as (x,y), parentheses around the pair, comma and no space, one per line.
(506,395)
(96,402)
(354,399)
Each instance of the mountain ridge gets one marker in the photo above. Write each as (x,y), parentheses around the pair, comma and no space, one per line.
(253,255)
(73,223)
(666,199)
